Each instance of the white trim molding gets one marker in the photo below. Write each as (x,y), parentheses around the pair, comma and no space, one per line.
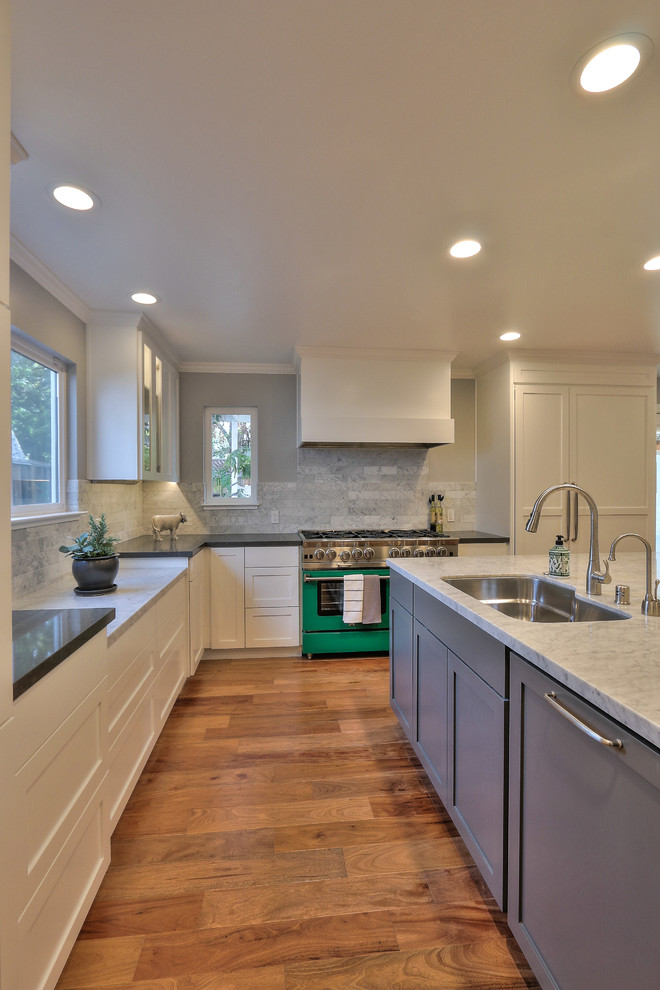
(216,368)
(47,279)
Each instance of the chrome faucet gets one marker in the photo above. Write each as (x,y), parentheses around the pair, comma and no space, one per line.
(650,603)
(595,577)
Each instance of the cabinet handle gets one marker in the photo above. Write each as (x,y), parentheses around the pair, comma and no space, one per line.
(553,700)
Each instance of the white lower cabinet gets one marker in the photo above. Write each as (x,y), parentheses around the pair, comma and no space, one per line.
(59,836)
(255,597)
(71,755)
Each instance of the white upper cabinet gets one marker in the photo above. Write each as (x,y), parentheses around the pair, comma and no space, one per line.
(541,423)
(132,401)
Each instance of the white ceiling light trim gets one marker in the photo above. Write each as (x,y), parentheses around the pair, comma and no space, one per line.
(465,249)
(611,63)
(653,264)
(510,335)
(74,197)
(144,298)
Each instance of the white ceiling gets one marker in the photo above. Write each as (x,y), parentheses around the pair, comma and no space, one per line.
(286,172)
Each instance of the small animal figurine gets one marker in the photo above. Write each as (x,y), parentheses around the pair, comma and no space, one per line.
(161,524)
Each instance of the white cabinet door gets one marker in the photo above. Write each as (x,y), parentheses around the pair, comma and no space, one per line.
(198,573)
(612,457)
(541,460)
(227,598)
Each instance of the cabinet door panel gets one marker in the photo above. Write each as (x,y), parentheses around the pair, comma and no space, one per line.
(477,719)
(430,723)
(541,460)
(584,829)
(401,665)
(227,598)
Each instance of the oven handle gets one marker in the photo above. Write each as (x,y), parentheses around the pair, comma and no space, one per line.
(307,579)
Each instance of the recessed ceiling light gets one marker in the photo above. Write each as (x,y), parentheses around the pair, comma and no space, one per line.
(510,335)
(653,264)
(144,298)
(74,197)
(465,249)
(609,64)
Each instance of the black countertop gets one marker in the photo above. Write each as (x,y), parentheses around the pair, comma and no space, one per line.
(476,536)
(43,638)
(189,544)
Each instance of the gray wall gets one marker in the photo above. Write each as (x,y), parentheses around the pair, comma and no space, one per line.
(456,461)
(275,398)
(41,316)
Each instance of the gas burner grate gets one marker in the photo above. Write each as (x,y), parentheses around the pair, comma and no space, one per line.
(369,534)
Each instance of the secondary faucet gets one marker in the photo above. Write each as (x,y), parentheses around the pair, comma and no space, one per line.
(595,577)
(650,603)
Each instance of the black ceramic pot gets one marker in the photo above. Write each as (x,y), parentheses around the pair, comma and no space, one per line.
(95,574)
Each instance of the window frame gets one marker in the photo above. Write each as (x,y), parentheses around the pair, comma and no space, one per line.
(212,501)
(40,354)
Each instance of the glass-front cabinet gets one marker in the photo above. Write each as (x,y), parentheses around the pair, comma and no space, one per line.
(132,401)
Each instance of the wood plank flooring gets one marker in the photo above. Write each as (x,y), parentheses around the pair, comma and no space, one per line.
(284,837)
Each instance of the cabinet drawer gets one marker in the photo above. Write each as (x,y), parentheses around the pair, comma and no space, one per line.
(272,556)
(197,565)
(271,587)
(266,627)
(485,655)
(401,590)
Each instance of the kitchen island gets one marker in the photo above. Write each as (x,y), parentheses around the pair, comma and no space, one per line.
(543,742)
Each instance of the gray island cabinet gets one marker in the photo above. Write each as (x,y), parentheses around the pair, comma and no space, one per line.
(584,841)
(455,676)
(564,828)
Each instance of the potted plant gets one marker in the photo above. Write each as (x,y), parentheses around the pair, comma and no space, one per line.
(95,563)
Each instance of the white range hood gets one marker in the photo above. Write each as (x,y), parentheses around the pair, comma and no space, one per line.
(372,398)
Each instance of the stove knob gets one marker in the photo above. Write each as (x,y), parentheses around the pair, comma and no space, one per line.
(345,555)
(431,552)
(443,552)
(418,552)
(319,554)
(330,554)
(357,554)
(369,553)
(394,552)
(406,552)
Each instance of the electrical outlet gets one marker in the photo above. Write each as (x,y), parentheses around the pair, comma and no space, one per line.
(450,515)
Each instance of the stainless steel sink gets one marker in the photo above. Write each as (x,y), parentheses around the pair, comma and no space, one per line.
(533,599)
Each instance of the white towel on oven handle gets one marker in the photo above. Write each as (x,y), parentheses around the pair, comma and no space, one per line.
(353,598)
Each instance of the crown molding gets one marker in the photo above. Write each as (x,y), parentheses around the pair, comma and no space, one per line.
(36,269)
(570,358)
(374,354)
(210,367)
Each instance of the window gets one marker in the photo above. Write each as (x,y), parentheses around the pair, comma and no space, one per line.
(230,456)
(38,388)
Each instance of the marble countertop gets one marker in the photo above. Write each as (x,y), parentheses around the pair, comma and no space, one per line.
(138,587)
(188,544)
(614,665)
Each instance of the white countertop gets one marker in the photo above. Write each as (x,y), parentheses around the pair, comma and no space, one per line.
(139,584)
(614,665)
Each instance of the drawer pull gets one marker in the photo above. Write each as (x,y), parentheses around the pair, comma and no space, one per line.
(553,700)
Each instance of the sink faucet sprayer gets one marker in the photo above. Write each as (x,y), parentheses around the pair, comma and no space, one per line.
(595,577)
(650,603)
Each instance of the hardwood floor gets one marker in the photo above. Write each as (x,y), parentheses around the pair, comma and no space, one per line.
(284,837)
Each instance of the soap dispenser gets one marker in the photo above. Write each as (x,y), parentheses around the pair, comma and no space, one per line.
(559,559)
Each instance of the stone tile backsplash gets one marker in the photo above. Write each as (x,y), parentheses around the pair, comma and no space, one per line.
(335,489)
